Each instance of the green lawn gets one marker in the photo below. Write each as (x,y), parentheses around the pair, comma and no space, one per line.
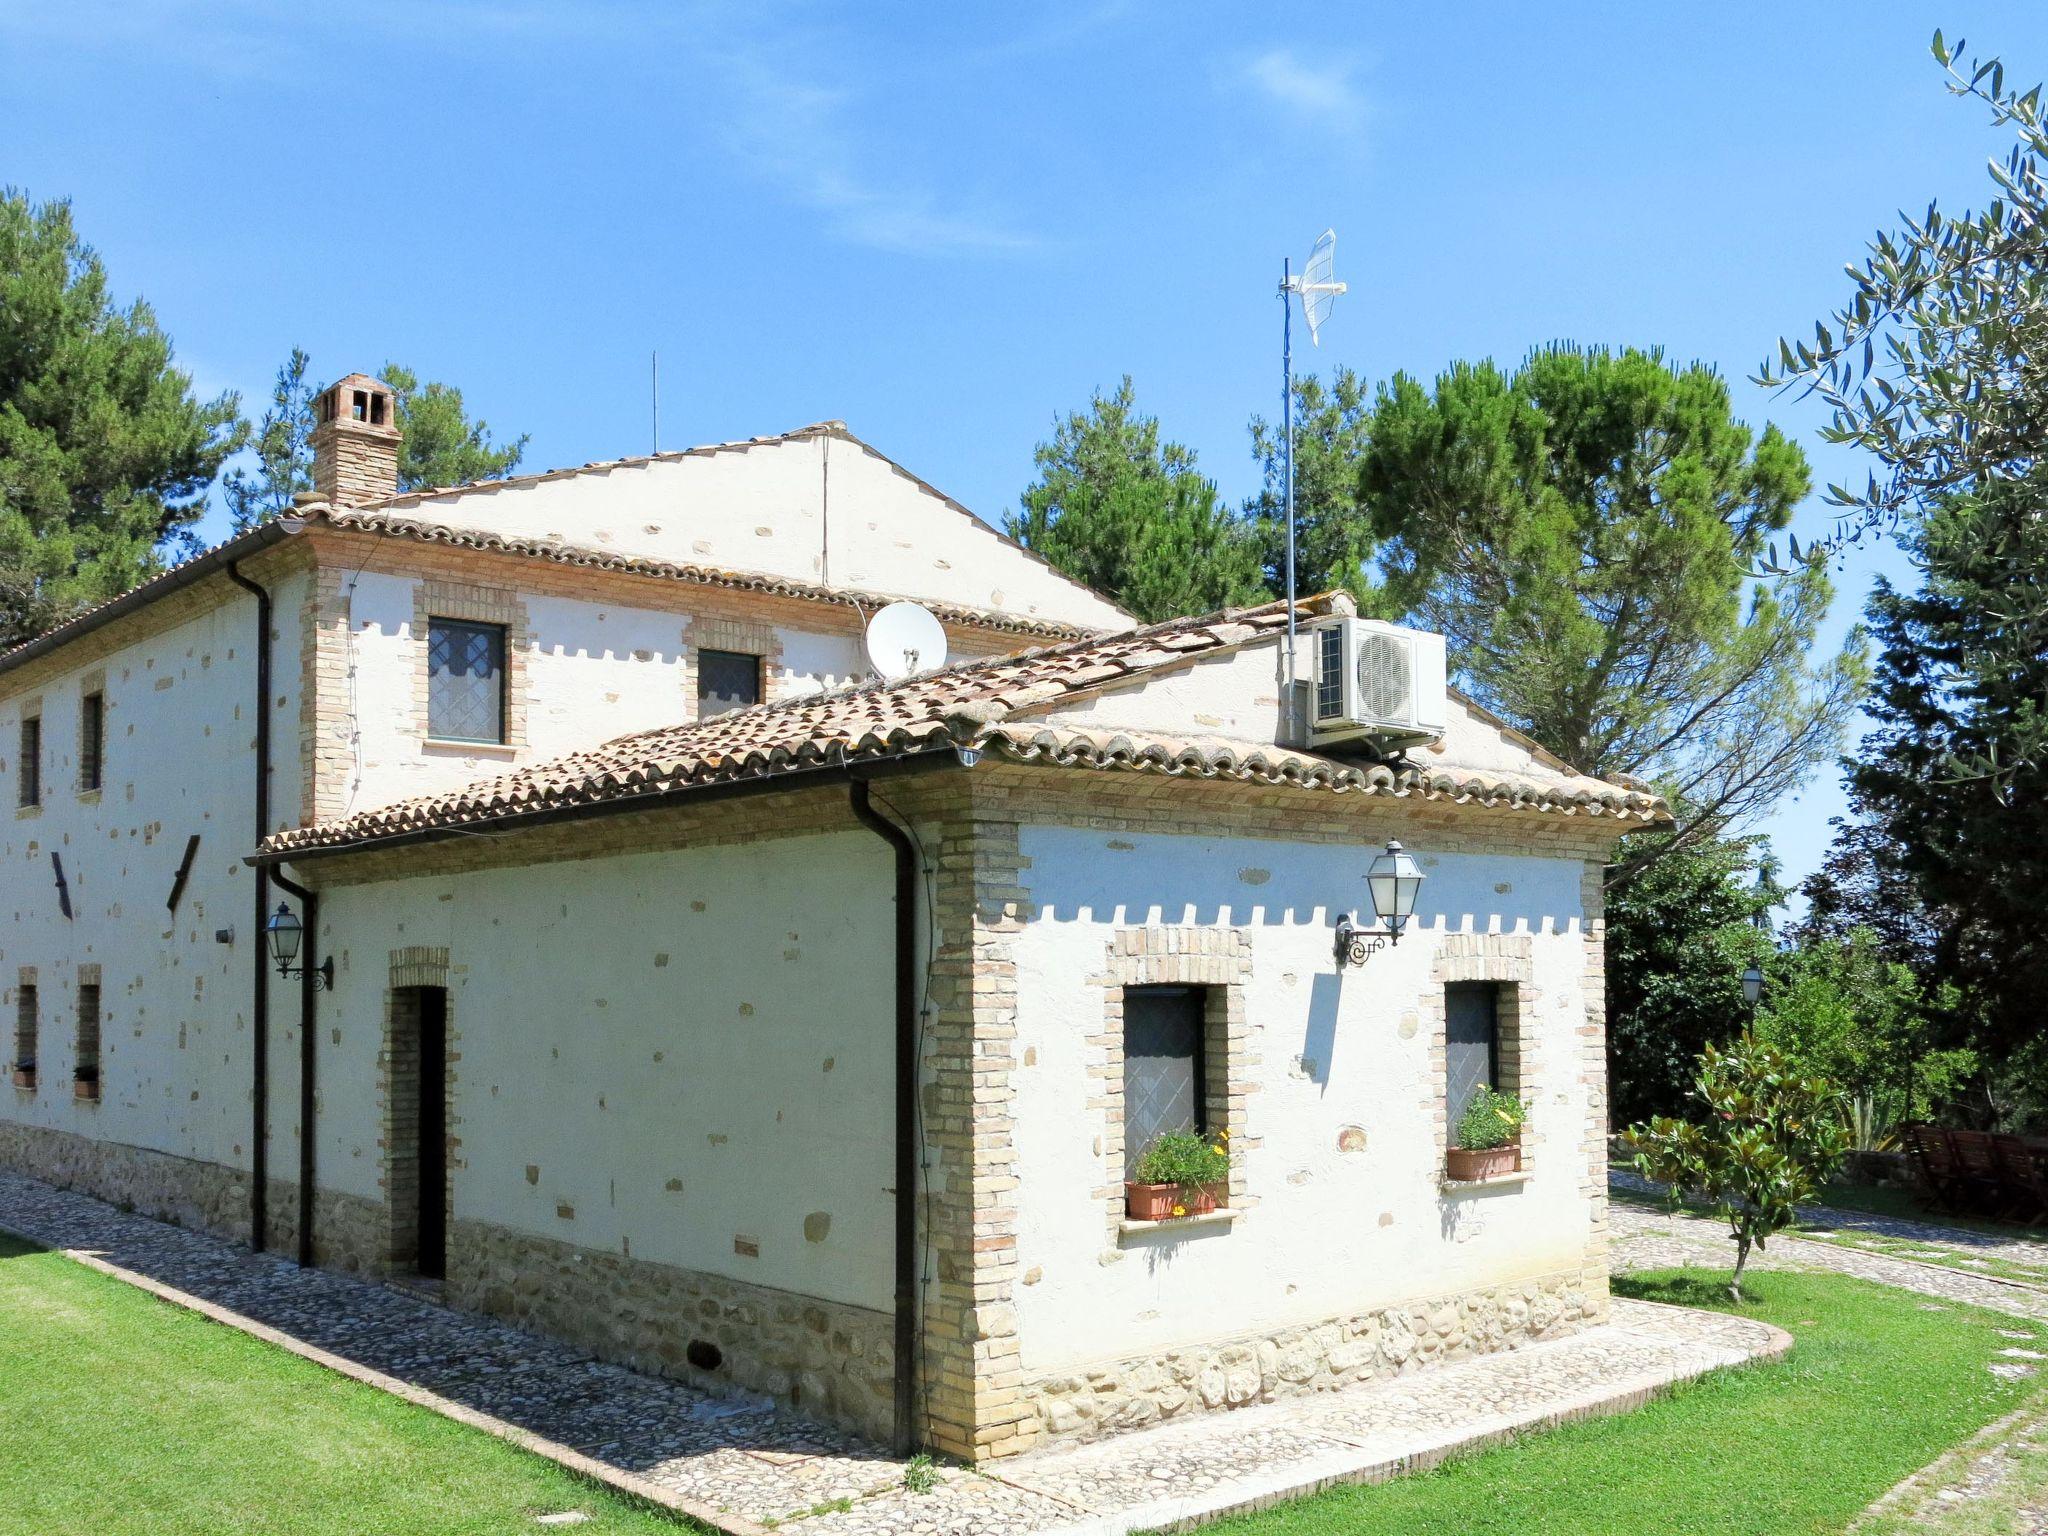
(120,1414)
(1875,1388)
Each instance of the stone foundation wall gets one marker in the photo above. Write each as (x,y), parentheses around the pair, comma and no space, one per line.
(187,1192)
(181,1190)
(824,1358)
(1317,1357)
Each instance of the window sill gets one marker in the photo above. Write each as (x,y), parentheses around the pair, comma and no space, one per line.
(1513,1180)
(442,747)
(28,812)
(90,796)
(1219,1220)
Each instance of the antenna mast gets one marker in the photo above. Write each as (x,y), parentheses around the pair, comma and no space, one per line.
(654,391)
(1318,290)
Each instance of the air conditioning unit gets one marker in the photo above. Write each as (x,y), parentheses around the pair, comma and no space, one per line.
(1376,682)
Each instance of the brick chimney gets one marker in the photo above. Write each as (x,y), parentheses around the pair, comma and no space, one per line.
(355,441)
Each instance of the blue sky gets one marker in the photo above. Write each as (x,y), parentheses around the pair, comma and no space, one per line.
(944,224)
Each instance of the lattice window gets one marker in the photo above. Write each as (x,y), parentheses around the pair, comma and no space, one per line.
(31,781)
(87,1056)
(92,735)
(26,1012)
(1471,1044)
(465,681)
(726,680)
(1165,1077)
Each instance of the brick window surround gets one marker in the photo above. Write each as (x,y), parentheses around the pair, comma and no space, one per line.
(29,758)
(1218,960)
(743,637)
(85,1054)
(92,735)
(469,604)
(398,1088)
(1505,960)
(27,1008)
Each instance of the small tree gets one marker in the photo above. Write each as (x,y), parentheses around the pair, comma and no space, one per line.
(1769,1140)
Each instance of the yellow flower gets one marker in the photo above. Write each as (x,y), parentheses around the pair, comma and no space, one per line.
(1180,1210)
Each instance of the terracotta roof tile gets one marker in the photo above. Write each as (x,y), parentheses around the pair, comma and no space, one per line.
(969,705)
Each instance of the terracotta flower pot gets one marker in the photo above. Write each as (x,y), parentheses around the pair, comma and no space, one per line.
(1486,1163)
(1204,1198)
(1151,1202)
(85,1087)
(24,1079)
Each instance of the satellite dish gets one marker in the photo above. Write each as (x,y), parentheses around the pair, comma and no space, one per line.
(904,640)
(1318,286)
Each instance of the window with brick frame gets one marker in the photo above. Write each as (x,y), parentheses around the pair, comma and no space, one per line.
(92,741)
(1166,1079)
(1471,1044)
(86,1054)
(30,782)
(726,680)
(465,681)
(25,1017)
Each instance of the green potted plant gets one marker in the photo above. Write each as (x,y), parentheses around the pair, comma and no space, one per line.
(1489,1137)
(1182,1173)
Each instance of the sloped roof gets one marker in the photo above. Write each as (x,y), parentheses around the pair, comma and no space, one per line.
(373,518)
(989,705)
(817,429)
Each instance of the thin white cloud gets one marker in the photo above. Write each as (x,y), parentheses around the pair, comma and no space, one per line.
(1325,91)
(807,140)
(806,143)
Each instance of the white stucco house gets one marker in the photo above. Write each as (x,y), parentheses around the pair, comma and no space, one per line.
(671,986)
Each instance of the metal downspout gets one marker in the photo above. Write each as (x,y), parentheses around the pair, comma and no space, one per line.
(906,1436)
(259,1005)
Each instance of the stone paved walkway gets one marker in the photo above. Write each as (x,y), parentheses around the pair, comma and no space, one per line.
(746,1469)
(2015,1245)
(1645,1237)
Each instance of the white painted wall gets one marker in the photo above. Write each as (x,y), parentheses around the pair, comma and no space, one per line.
(180,758)
(776,508)
(718,1016)
(1333,1232)
(597,671)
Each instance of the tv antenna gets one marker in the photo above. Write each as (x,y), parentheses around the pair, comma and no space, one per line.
(1317,288)
(904,640)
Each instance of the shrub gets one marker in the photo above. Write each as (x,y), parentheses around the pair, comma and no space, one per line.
(1185,1158)
(1492,1119)
(1768,1140)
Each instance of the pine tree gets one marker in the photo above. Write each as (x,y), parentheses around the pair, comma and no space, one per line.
(105,453)
(1118,509)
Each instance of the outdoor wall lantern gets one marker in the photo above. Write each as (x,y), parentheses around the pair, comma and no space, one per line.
(1752,983)
(1393,880)
(286,934)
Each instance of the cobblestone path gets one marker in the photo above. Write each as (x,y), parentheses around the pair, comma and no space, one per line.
(746,1468)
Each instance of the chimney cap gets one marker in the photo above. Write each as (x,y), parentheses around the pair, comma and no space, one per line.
(358,401)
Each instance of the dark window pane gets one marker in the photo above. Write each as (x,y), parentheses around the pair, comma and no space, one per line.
(32,762)
(465,681)
(91,735)
(25,1026)
(726,680)
(88,1051)
(1471,1043)
(1162,1066)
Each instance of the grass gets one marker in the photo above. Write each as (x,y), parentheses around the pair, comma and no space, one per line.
(124,1415)
(1876,1387)
(2001,1477)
